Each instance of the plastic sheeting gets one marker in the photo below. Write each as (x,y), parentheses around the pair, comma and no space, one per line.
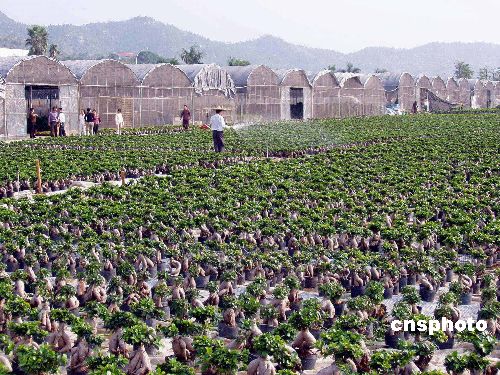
(206,77)
(436,104)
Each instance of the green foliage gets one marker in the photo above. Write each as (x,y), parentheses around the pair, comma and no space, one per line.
(384,361)
(37,40)
(332,290)
(341,344)
(306,317)
(43,360)
(29,329)
(233,61)
(375,291)
(141,334)
(463,70)
(120,319)
(193,55)
(410,295)
(173,367)
(483,342)
(267,344)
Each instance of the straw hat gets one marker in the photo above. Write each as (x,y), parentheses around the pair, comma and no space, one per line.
(219,108)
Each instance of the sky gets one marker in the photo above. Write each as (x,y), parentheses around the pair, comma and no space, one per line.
(341,25)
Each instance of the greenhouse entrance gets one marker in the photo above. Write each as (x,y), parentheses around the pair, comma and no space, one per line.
(296,103)
(42,99)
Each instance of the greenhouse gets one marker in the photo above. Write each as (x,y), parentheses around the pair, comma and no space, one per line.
(464,92)
(296,94)
(213,87)
(106,86)
(439,87)
(497,94)
(399,88)
(453,90)
(35,82)
(422,82)
(325,95)
(257,93)
(374,95)
(351,94)
(163,92)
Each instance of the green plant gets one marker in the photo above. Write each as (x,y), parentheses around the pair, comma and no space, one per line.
(205,315)
(62,315)
(29,329)
(332,290)
(483,342)
(455,363)
(375,291)
(410,295)
(286,331)
(145,308)
(306,318)
(120,319)
(141,334)
(341,344)
(173,367)
(42,360)
(267,344)
(385,361)
(222,361)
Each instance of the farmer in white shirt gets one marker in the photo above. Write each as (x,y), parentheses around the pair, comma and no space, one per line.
(61,120)
(119,121)
(217,124)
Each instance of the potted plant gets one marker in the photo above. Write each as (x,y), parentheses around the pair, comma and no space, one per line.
(385,362)
(455,363)
(269,316)
(181,332)
(344,346)
(334,291)
(303,320)
(140,334)
(293,284)
(38,361)
(173,367)
(219,360)
(265,346)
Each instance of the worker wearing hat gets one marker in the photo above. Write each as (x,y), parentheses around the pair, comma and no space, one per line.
(217,124)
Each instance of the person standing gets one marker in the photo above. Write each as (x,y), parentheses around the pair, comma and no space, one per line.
(53,121)
(32,118)
(89,122)
(119,121)
(97,121)
(217,124)
(186,117)
(415,107)
(62,121)
(81,122)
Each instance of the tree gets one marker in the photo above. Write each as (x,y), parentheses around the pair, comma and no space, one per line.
(148,57)
(380,70)
(463,70)
(486,73)
(332,68)
(54,51)
(192,56)
(233,61)
(496,75)
(350,68)
(37,40)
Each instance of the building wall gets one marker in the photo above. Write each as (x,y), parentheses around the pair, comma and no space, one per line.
(16,111)
(260,100)
(2,117)
(464,93)
(373,97)
(406,92)
(497,94)
(423,82)
(453,91)
(295,79)
(439,88)
(163,94)
(108,86)
(326,101)
(351,98)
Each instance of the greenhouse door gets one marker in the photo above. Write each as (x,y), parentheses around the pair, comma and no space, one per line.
(488,99)
(296,103)
(42,99)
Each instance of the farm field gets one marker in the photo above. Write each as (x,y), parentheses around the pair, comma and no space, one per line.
(292,251)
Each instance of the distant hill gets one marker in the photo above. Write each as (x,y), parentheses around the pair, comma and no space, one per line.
(101,39)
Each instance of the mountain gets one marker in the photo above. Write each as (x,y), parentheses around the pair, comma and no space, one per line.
(99,40)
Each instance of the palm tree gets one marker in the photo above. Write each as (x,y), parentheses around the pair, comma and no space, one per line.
(350,68)
(37,40)
(54,51)
(192,56)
